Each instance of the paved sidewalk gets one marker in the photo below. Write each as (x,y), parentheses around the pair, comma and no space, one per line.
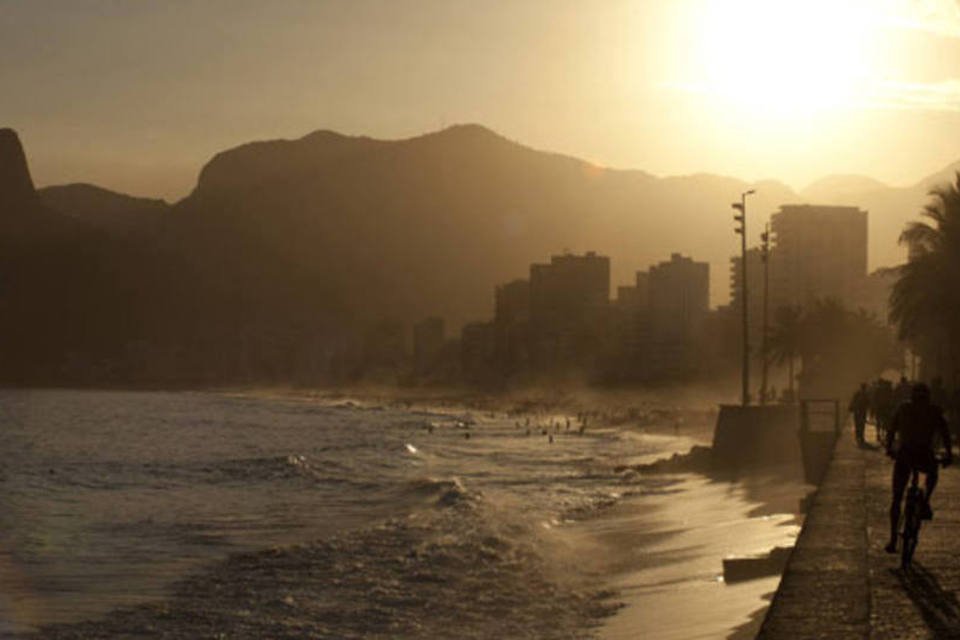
(840,583)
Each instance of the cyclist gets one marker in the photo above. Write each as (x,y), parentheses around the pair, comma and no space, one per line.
(916,423)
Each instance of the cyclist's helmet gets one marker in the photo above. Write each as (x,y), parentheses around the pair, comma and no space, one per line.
(920,393)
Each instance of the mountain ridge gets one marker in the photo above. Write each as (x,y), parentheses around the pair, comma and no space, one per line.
(104,209)
(288,253)
(281,164)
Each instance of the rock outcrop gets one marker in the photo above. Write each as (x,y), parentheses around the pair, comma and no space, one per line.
(17,194)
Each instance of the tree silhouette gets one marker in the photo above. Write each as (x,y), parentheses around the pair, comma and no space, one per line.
(925,301)
(837,347)
(784,341)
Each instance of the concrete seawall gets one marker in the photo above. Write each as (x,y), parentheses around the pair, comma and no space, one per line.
(754,435)
(782,436)
(824,591)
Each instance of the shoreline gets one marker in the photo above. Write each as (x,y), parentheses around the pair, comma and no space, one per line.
(645,411)
(657,421)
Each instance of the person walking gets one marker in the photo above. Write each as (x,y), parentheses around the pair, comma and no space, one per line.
(884,406)
(901,394)
(859,404)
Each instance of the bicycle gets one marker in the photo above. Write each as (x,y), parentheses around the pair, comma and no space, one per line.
(912,517)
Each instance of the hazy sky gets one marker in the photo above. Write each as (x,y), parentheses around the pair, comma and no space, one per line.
(138,95)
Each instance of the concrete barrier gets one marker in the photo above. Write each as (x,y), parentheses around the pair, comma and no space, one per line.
(756,436)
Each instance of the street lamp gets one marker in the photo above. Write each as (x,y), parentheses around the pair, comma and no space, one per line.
(765,257)
(742,230)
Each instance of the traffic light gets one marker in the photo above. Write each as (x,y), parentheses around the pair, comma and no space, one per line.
(738,218)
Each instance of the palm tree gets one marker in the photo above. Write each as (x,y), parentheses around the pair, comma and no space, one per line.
(925,301)
(784,341)
(838,347)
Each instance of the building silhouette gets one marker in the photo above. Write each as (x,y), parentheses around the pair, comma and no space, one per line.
(511,321)
(679,301)
(631,327)
(562,320)
(569,303)
(818,252)
(755,301)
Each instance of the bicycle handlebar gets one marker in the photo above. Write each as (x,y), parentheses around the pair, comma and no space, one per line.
(940,461)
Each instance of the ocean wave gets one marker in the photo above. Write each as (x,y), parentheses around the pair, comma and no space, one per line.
(446,492)
(441,573)
(283,467)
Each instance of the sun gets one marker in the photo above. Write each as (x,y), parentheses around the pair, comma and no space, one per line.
(770,58)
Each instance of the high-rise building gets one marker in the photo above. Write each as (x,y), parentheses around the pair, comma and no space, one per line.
(818,252)
(512,302)
(679,300)
(630,328)
(754,293)
(511,322)
(569,299)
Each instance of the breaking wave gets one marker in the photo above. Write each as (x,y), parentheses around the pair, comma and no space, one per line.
(458,567)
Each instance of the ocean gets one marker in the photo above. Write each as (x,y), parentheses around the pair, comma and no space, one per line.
(188,514)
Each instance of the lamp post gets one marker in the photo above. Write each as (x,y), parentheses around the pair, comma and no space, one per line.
(765,257)
(742,230)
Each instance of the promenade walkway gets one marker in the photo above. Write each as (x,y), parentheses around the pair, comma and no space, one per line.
(840,584)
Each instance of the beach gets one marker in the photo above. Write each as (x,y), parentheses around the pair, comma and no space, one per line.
(186,514)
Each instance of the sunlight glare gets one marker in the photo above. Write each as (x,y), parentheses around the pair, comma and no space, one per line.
(784,59)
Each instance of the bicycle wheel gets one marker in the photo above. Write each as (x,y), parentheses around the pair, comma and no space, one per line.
(909,546)
(911,527)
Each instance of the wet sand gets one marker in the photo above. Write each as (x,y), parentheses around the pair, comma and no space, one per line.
(670,575)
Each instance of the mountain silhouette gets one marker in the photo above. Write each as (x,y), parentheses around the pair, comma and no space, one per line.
(839,186)
(482,207)
(432,223)
(103,209)
(62,283)
(287,251)
(890,208)
(16,185)
(23,217)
